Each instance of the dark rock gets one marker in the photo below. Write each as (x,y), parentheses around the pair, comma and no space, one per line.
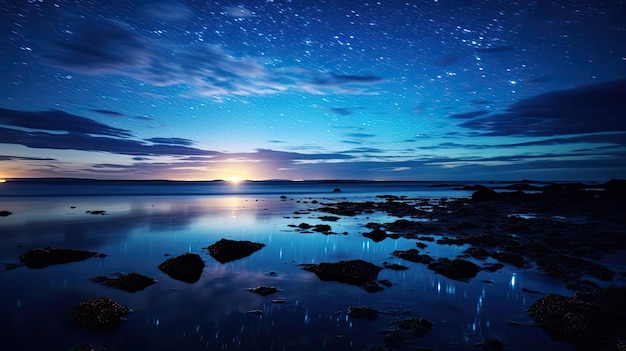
(586,320)
(476,252)
(336,190)
(508,257)
(40,258)
(492,267)
(86,347)
(5,213)
(97,212)
(490,345)
(395,267)
(186,267)
(457,269)
(365,312)
(131,282)
(373,225)
(355,272)
(329,218)
(101,314)
(484,194)
(393,338)
(377,235)
(225,250)
(264,290)
(372,287)
(415,326)
(413,255)
(421,245)
(322,228)
(304,226)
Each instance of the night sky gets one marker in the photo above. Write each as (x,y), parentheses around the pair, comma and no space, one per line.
(279,89)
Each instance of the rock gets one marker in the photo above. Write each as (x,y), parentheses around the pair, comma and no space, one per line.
(372,287)
(393,338)
(413,255)
(508,257)
(329,218)
(264,290)
(587,320)
(395,267)
(377,235)
(225,250)
(490,345)
(40,258)
(86,347)
(97,212)
(356,272)
(322,228)
(131,282)
(484,194)
(255,312)
(5,213)
(304,226)
(186,267)
(477,252)
(101,314)
(457,269)
(365,312)
(336,190)
(415,326)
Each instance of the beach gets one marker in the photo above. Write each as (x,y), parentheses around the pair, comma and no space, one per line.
(538,238)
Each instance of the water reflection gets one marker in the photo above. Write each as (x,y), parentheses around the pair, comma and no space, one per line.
(212,313)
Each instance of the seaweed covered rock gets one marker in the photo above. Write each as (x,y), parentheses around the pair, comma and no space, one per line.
(377,235)
(186,267)
(355,272)
(131,282)
(101,314)
(588,320)
(40,258)
(225,250)
(457,269)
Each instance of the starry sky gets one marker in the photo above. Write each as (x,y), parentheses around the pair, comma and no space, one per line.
(295,89)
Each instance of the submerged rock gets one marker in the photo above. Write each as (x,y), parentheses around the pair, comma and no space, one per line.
(264,290)
(457,269)
(186,267)
(355,272)
(225,250)
(415,326)
(131,282)
(101,314)
(40,258)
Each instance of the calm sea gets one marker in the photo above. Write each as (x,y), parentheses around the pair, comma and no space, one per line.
(145,221)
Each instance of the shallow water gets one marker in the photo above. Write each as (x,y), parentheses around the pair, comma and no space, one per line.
(137,231)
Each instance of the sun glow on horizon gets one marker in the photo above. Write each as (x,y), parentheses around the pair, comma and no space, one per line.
(235,179)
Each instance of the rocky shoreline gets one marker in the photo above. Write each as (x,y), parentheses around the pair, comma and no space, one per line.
(563,230)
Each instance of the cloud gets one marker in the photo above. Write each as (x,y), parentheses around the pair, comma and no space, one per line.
(169,11)
(58,121)
(22,158)
(593,108)
(110,47)
(343,111)
(239,12)
(171,141)
(109,113)
(495,49)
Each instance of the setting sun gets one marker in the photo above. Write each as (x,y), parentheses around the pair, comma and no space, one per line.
(235,179)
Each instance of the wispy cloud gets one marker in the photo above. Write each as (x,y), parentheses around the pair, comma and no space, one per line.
(594,108)
(110,47)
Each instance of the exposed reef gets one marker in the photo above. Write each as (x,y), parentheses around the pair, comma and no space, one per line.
(186,267)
